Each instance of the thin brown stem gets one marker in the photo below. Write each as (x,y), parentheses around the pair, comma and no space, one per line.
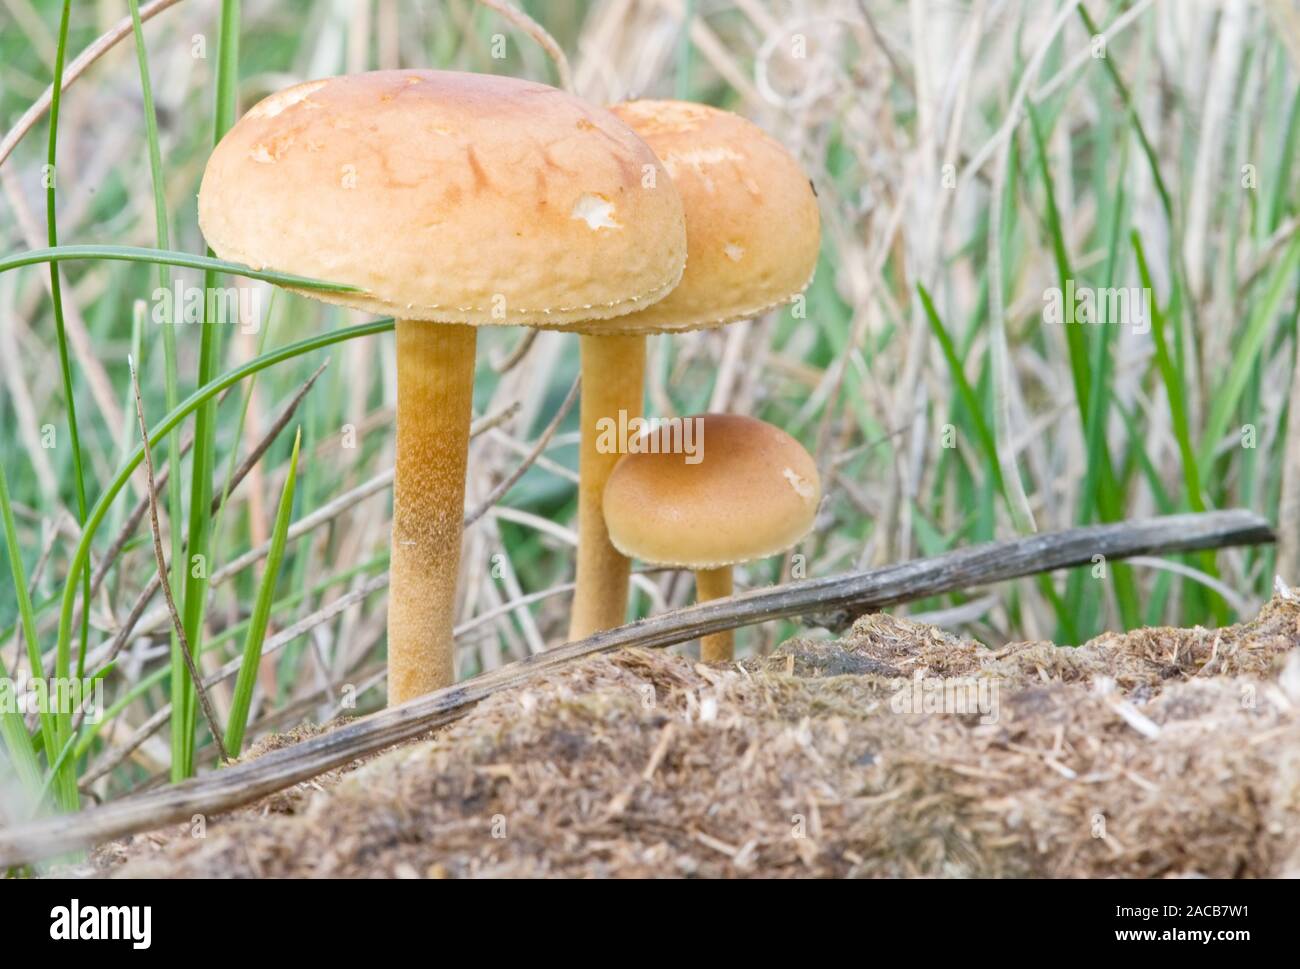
(536,31)
(161,559)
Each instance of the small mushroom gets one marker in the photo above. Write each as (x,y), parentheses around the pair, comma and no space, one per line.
(452,201)
(752,238)
(753,493)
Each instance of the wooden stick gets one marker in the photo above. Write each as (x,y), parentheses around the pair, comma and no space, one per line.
(840,597)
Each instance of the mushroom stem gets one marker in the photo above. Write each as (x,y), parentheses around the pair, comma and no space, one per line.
(435,386)
(715,584)
(613,371)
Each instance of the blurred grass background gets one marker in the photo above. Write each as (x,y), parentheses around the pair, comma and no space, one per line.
(967,156)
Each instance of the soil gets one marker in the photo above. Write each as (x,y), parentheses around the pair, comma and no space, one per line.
(896,750)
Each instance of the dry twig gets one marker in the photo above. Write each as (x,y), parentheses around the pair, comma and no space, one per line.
(161,559)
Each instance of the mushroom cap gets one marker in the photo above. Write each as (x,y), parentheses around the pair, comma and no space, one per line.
(753,493)
(752,225)
(445,196)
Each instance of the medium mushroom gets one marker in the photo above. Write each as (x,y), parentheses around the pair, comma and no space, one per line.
(753,493)
(753,232)
(452,201)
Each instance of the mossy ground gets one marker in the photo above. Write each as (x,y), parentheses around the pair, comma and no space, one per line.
(1162,752)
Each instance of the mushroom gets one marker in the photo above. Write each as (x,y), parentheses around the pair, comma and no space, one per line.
(752,237)
(753,493)
(452,201)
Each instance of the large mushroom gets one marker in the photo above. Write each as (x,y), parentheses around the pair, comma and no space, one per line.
(452,201)
(750,490)
(753,233)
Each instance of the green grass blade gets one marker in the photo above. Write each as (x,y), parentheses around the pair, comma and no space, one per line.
(239,426)
(1173,384)
(1109,503)
(1139,461)
(1099,396)
(1288,145)
(999,351)
(148,681)
(1166,200)
(1246,351)
(968,397)
(1174,392)
(17,741)
(247,679)
(67,785)
(67,755)
(227,69)
(209,391)
(194,600)
(685,53)
(167,257)
(987,443)
(1075,336)
(230,466)
(171,368)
